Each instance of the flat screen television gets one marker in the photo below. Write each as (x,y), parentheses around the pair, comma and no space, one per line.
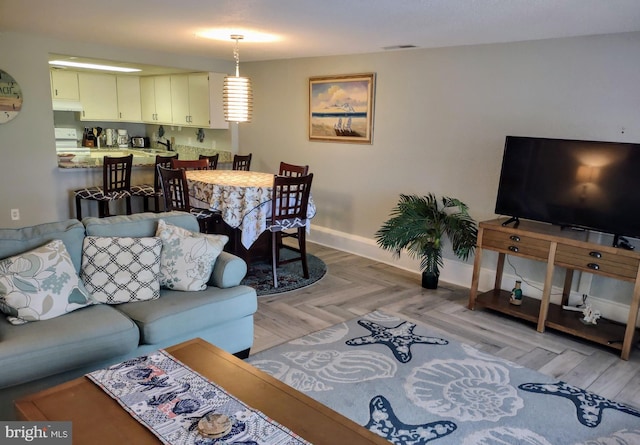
(579,184)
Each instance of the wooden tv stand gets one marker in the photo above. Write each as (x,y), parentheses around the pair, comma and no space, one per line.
(550,244)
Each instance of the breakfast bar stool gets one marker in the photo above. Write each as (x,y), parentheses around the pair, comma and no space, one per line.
(241,162)
(153,191)
(213,160)
(116,185)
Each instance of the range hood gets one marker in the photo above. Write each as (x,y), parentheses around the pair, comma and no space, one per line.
(66,105)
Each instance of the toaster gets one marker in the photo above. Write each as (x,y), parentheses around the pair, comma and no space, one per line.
(139,142)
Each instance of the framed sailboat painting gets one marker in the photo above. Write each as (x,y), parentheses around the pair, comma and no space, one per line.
(341,108)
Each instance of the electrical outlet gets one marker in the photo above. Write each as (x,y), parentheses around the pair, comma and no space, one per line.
(15,214)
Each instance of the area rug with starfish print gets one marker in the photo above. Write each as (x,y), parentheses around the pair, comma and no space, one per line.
(412,385)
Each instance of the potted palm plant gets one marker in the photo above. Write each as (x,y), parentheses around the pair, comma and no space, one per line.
(418,225)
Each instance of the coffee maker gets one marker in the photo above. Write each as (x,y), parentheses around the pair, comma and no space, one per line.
(123,138)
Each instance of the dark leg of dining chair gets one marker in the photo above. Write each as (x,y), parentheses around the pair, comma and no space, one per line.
(103,209)
(78,208)
(145,203)
(274,255)
(128,201)
(278,246)
(302,243)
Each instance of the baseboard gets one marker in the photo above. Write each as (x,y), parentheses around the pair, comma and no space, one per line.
(455,272)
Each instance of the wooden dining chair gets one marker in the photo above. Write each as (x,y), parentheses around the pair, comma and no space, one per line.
(153,191)
(191,164)
(176,198)
(241,162)
(116,185)
(292,170)
(213,160)
(289,211)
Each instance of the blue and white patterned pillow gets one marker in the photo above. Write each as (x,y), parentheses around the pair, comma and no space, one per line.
(121,269)
(40,284)
(187,257)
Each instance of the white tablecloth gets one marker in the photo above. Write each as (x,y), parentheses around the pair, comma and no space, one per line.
(243,197)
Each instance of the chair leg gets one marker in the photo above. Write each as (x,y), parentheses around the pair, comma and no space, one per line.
(128,202)
(78,208)
(278,246)
(145,203)
(302,243)
(274,261)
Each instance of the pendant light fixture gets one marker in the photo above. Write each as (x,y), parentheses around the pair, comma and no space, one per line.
(237,96)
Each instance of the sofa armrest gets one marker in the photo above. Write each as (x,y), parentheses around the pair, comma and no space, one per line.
(228,271)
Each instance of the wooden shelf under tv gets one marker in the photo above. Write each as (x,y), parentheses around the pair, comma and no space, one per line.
(564,248)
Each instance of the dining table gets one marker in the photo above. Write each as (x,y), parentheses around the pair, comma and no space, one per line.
(242,197)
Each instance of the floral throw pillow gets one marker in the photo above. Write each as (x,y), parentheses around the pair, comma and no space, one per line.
(121,269)
(40,284)
(187,257)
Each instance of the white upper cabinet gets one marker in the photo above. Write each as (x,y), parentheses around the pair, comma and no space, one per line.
(129,108)
(155,99)
(64,85)
(98,95)
(216,109)
(196,100)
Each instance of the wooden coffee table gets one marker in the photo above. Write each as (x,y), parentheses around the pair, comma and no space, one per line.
(99,419)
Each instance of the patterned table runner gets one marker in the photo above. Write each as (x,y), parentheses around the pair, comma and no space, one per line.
(169,398)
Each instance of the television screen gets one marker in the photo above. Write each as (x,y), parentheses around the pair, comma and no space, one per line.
(584,184)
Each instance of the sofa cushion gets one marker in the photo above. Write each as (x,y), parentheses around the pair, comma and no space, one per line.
(121,269)
(137,225)
(187,257)
(175,314)
(71,232)
(36,350)
(40,284)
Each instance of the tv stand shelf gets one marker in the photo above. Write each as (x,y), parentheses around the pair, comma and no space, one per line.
(546,243)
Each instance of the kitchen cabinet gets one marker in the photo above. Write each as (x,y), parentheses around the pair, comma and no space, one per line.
(557,248)
(64,85)
(129,107)
(155,99)
(196,100)
(98,95)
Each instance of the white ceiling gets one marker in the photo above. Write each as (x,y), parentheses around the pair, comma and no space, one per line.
(307,28)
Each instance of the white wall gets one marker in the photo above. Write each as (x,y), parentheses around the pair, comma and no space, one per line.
(441,117)
(440,122)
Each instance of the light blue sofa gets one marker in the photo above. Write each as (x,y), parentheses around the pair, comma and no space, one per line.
(39,354)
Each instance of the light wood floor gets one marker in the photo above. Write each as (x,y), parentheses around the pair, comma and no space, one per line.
(354,286)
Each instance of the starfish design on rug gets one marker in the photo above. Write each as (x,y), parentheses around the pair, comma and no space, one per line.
(383,422)
(589,406)
(399,339)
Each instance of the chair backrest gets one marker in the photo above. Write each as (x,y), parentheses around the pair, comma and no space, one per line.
(290,197)
(174,189)
(213,160)
(293,170)
(116,173)
(241,162)
(194,164)
(164,161)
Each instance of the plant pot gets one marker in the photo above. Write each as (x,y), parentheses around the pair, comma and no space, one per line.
(429,280)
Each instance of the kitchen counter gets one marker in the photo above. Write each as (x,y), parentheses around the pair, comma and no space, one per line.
(142,157)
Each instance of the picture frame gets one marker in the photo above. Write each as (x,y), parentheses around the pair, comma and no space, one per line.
(341,108)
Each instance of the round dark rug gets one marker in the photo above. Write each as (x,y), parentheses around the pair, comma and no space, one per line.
(259,276)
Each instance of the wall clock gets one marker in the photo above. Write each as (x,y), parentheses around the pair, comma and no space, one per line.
(10,97)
